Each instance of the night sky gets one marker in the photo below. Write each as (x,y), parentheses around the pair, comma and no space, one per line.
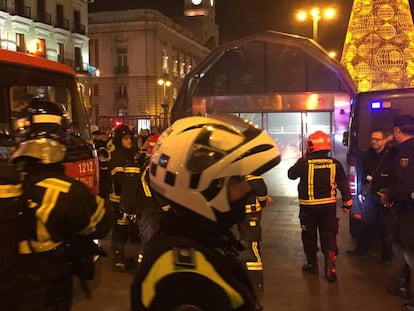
(239,18)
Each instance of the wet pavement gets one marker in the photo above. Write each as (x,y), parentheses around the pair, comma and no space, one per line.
(361,282)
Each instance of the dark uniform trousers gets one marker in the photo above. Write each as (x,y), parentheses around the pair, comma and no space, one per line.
(120,232)
(323,217)
(250,230)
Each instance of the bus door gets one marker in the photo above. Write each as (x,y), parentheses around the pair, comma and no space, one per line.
(290,131)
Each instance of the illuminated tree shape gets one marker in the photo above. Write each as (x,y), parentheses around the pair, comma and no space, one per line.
(379,45)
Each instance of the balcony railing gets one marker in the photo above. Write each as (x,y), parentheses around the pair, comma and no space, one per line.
(81,68)
(62,23)
(79,28)
(25,11)
(121,69)
(44,18)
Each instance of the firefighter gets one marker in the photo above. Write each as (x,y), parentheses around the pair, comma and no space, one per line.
(62,216)
(122,156)
(400,198)
(193,263)
(251,232)
(319,176)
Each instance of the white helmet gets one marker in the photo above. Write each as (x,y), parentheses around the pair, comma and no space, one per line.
(194,159)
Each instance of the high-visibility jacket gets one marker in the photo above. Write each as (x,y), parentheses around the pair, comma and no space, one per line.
(320,175)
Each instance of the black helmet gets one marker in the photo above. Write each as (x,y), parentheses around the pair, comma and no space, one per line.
(41,132)
(120,132)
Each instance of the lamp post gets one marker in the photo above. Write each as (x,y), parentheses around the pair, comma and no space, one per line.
(315,14)
(164,103)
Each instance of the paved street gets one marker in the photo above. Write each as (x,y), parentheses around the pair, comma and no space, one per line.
(361,284)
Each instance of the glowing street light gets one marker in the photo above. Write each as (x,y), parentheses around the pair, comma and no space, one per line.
(164,104)
(315,14)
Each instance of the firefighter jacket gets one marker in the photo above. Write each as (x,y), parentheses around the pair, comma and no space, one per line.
(136,194)
(116,166)
(402,184)
(249,228)
(60,211)
(320,175)
(182,265)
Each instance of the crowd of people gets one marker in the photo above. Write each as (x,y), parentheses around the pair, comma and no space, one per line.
(192,198)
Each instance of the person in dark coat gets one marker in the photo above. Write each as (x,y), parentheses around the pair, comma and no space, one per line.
(320,175)
(400,197)
(121,156)
(377,170)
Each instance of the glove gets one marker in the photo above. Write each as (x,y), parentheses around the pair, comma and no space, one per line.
(346,209)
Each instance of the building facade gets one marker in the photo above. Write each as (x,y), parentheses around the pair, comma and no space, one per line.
(141,57)
(53,29)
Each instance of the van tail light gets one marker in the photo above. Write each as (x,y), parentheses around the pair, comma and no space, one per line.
(352,175)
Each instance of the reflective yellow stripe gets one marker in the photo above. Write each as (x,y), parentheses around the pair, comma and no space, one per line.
(164,266)
(10,191)
(317,201)
(252,223)
(252,177)
(96,217)
(255,248)
(333,174)
(348,203)
(250,208)
(55,184)
(53,189)
(132,170)
(145,186)
(114,198)
(38,247)
(254,266)
(117,169)
(320,164)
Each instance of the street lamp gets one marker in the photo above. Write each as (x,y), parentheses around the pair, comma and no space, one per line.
(164,103)
(315,14)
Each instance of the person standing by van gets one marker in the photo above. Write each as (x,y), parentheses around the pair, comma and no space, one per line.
(319,176)
(377,170)
(401,198)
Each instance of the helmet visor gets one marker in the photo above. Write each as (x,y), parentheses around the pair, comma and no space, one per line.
(216,140)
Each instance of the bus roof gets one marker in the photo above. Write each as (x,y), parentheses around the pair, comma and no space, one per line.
(24,59)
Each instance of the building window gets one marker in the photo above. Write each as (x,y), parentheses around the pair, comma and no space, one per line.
(20,44)
(61,53)
(175,63)
(188,64)
(122,60)
(181,66)
(165,68)
(78,59)
(122,112)
(122,91)
(38,47)
(61,22)
(96,90)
